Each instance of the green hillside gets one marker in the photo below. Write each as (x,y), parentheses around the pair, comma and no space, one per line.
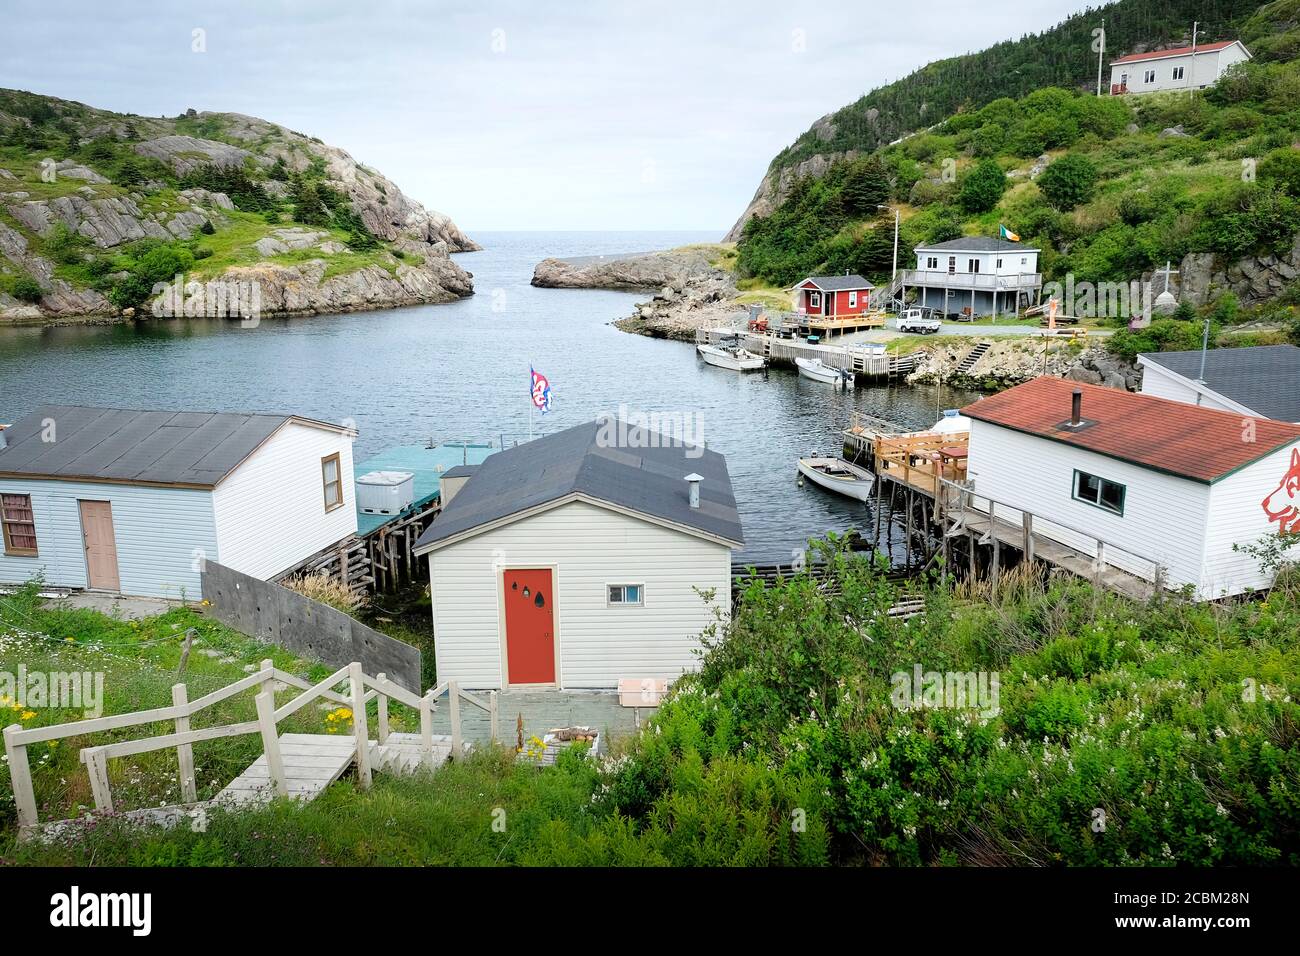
(96,207)
(1107,187)
(1061,56)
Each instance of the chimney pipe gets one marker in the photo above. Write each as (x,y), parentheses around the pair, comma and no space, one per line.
(1076,407)
(693,482)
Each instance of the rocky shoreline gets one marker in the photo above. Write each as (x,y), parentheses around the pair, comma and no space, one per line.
(690,291)
(299,270)
(1008,363)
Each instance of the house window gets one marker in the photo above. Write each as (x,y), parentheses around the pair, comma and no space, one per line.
(1149,76)
(972,265)
(814,300)
(331,474)
(625,594)
(999,263)
(19,524)
(932,262)
(1123,79)
(1101,492)
(1023,260)
(853,300)
(1178,73)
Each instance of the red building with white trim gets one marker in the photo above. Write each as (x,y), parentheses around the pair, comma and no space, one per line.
(833,296)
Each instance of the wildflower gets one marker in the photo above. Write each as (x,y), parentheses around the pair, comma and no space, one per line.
(28,714)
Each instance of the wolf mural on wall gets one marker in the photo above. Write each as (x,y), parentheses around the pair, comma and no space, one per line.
(1283,504)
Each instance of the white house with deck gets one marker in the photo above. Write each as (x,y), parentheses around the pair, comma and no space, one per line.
(1158,482)
(1260,381)
(581,559)
(133,502)
(972,276)
(1179,68)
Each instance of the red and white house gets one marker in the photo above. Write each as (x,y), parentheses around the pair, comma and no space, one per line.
(1180,68)
(832,296)
(1165,482)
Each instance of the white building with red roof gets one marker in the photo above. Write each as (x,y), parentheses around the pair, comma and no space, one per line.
(1158,483)
(1180,68)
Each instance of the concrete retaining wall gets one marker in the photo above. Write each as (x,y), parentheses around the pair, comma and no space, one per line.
(277,615)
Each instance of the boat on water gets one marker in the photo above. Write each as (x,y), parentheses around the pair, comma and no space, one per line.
(819,371)
(731,355)
(839,476)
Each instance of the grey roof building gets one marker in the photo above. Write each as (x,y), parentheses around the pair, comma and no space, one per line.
(638,470)
(185,449)
(1262,381)
(838,283)
(976,244)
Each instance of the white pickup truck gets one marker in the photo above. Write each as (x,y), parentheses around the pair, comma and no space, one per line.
(914,320)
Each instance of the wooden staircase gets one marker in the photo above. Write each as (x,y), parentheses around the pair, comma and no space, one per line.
(973,356)
(299,766)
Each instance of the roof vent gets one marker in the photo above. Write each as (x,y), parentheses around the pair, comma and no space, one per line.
(693,481)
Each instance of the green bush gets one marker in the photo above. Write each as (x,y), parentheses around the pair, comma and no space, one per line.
(1069,181)
(26,289)
(982,188)
(1162,335)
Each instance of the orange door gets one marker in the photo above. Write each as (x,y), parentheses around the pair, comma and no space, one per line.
(101,548)
(530,627)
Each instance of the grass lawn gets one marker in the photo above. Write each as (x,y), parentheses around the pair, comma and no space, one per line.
(139,662)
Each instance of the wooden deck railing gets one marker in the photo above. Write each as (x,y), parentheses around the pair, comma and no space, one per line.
(957,500)
(17,739)
(918,460)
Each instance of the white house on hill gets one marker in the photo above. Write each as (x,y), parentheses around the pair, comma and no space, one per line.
(133,502)
(1168,483)
(974,275)
(576,561)
(1181,68)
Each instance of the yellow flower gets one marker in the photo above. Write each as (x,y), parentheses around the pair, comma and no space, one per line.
(28,714)
(5,701)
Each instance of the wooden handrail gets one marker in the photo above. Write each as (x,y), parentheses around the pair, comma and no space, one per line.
(17,739)
(965,494)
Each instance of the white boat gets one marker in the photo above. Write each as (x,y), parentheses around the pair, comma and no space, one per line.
(819,371)
(731,356)
(839,476)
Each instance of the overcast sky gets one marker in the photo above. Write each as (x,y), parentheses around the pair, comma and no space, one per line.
(537,114)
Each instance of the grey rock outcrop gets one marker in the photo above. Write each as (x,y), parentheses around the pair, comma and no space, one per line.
(106,222)
(631,272)
(1203,277)
(185,154)
(776,186)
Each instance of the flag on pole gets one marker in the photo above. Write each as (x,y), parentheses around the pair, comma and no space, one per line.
(541,391)
(1006,233)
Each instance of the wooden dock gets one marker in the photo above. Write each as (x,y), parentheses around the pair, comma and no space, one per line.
(921,482)
(870,360)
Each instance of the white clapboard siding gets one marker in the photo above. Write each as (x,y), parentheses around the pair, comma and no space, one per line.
(1164,516)
(1164,384)
(1237,516)
(161,534)
(590,547)
(270,512)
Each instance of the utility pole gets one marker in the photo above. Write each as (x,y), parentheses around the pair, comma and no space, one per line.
(1101,53)
(1191,69)
(894,275)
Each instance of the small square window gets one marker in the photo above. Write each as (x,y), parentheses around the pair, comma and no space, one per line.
(1100,492)
(625,594)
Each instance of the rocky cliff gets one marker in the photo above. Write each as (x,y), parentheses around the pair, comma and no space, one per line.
(86,195)
(776,186)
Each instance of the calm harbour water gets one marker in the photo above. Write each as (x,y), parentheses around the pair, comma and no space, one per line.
(460,371)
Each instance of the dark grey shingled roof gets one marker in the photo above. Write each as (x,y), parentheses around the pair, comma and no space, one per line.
(1263,378)
(979,244)
(195,449)
(647,480)
(839,283)
(460,471)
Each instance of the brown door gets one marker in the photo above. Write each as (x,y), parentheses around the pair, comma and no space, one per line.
(101,549)
(530,626)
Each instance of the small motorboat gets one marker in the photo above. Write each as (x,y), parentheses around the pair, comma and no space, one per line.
(732,356)
(819,371)
(839,476)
